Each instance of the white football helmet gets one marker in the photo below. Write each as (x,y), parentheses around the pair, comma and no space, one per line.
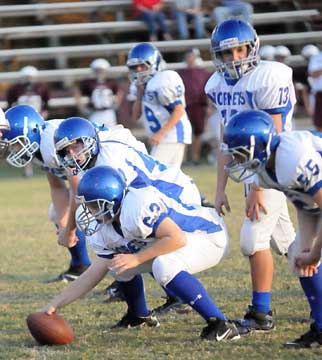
(28,72)
(267,52)
(309,50)
(282,51)
(100,64)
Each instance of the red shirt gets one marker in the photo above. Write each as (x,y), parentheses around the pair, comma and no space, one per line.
(149,4)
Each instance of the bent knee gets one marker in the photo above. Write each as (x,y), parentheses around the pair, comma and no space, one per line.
(165,269)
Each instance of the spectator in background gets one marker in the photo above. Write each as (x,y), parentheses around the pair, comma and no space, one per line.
(150,11)
(225,9)
(29,91)
(104,95)
(194,79)
(282,53)
(186,11)
(315,80)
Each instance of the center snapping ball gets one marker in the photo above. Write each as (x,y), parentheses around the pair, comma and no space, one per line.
(49,329)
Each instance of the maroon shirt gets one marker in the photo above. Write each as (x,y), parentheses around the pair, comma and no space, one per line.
(33,94)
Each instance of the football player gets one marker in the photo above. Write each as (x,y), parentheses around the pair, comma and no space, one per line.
(159,100)
(289,162)
(135,230)
(242,82)
(30,139)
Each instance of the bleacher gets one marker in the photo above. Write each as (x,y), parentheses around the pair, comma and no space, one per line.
(62,37)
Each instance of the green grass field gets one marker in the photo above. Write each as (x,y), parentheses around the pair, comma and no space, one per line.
(30,256)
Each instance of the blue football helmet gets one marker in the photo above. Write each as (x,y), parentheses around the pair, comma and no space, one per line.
(249,138)
(76,130)
(230,34)
(100,193)
(23,134)
(143,54)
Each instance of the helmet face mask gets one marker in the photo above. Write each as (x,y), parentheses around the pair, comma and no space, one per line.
(21,151)
(146,55)
(232,34)
(243,164)
(94,214)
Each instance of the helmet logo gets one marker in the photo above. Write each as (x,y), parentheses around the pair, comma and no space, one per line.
(229,43)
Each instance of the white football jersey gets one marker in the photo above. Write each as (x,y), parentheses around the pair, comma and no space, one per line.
(162,93)
(130,158)
(298,168)
(268,87)
(48,161)
(142,212)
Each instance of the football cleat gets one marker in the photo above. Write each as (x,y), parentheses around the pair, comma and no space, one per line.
(220,330)
(172,304)
(113,293)
(311,339)
(256,320)
(131,321)
(69,275)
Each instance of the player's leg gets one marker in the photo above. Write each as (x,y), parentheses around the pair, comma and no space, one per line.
(80,260)
(255,240)
(132,287)
(175,271)
(312,286)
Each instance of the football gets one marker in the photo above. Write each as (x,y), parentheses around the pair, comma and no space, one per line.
(49,329)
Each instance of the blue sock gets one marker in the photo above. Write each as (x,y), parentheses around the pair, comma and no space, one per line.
(133,292)
(191,291)
(261,301)
(312,287)
(79,251)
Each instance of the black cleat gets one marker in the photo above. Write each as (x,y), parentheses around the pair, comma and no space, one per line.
(69,275)
(206,203)
(131,321)
(256,321)
(311,339)
(173,304)
(220,330)
(113,293)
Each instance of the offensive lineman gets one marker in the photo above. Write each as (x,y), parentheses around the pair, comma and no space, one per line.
(289,162)
(242,82)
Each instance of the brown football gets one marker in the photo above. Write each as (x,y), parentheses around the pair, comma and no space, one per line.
(49,329)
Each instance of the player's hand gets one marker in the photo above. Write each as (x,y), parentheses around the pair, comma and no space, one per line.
(222,204)
(123,262)
(67,238)
(156,138)
(49,309)
(255,205)
(307,262)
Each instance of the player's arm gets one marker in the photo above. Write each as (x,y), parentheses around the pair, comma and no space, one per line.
(169,238)
(67,236)
(221,200)
(82,285)
(313,256)
(137,105)
(60,198)
(176,115)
